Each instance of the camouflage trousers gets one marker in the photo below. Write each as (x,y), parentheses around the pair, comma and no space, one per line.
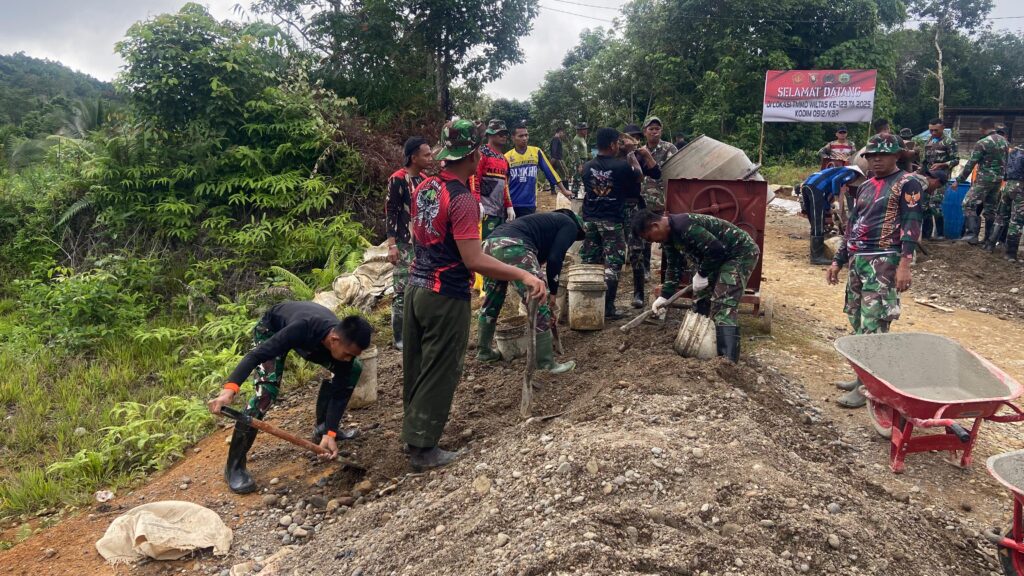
(935,199)
(872,301)
(725,289)
(604,243)
(1011,207)
(984,194)
(267,377)
(488,224)
(635,245)
(513,252)
(400,274)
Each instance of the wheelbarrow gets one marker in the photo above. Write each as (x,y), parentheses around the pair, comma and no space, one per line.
(928,381)
(1008,469)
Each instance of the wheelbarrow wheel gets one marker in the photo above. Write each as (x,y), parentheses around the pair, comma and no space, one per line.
(881,418)
(1011,560)
(767,313)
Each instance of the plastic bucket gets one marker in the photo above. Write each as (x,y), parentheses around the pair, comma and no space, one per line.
(586,304)
(510,338)
(365,392)
(592,273)
(952,210)
(696,337)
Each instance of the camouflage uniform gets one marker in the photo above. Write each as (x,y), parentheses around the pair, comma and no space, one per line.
(698,236)
(634,244)
(989,156)
(1013,197)
(938,152)
(579,153)
(604,243)
(654,189)
(872,302)
(511,251)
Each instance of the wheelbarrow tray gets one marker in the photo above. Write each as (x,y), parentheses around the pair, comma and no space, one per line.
(927,380)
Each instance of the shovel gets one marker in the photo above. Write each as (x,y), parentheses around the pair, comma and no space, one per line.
(531,358)
(646,314)
(258,424)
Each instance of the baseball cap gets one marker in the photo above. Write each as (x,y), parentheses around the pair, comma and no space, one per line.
(841,128)
(496,126)
(652,120)
(883,144)
(582,126)
(906,133)
(459,138)
(632,129)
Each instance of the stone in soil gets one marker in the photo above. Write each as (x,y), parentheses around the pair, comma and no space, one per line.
(285,520)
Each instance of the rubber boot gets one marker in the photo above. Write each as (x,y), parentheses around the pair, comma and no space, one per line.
(485,335)
(612,288)
(940,228)
(1003,231)
(853,399)
(647,260)
(926,228)
(818,251)
(235,474)
(546,355)
(396,326)
(972,225)
(727,340)
(426,458)
(1012,244)
(992,236)
(849,386)
(638,288)
(989,229)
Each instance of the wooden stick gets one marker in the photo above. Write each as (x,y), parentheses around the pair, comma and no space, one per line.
(934,305)
(531,359)
(269,428)
(644,315)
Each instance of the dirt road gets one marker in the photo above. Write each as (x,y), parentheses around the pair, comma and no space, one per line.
(653,464)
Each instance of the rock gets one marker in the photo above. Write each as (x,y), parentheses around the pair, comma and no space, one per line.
(439,529)
(729,529)
(183,486)
(347,501)
(966,506)
(501,540)
(49,553)
(593,467)
(318,502)
(270,500)
(607,488)
(1012,291)
(333,505)
(833,541)
(564,468)
(242,569)
(363,487)
(632,533)
(517,474)
(467,433)
(698,452)
(300,532)
(482,485)
(275,481)
(186,479)
(656,451)
(619,480)
(285,521)
(739,563)
(590,536)
(805,568)
(915,489)
(80,431)
(577,500)
(834,508)
(691,434)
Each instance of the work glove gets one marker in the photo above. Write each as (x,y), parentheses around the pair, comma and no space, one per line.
(699,283)
(658,308)
(510,213)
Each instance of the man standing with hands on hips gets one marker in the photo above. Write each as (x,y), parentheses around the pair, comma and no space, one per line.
(881,237)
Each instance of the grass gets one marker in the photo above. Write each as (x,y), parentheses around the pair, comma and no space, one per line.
(786,173)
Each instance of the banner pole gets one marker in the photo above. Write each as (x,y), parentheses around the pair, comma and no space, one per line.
(760,146)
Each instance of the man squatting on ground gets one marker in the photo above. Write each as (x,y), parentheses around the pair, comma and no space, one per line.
(881,237)
(314,333)
(610,182)
(446,237)
(528,243)
(817,193)
(418,158)
(725,256)
(491,180)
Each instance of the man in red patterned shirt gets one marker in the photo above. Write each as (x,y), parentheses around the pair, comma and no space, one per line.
(491,179)
(446,236)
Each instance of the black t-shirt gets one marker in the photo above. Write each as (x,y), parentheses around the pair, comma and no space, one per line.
(636,189)
(549,235)
(556,148)
(608,182)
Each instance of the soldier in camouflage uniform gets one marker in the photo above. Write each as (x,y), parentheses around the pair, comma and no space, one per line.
(635,246)
(724,256)
(879,244)
(1011,208)
(654,188)
(989,156)
(940,153)
(579,154)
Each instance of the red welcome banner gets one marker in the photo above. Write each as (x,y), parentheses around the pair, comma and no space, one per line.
(819,96)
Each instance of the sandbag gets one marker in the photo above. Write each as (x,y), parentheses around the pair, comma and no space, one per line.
(165,530)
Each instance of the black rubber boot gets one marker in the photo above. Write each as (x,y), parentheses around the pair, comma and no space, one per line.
(926,228)
(426,458)
(972,225)
(396,326)
(1012,245)
(992,236)
(818,251)
(612,288)
(647,260)
(638,288)
(989,229)
(1003,231)
(727,339)
(235,474)
(940,228)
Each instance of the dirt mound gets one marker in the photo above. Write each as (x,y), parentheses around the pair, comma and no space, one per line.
(963,276)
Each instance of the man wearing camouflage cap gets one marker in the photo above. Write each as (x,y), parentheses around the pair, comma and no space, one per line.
(654,187)
(446,237)
(491,179)
(940,154)
(881,236)
(989,156)
(909,157)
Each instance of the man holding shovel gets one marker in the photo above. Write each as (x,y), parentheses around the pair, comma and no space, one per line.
(315,334)
(528,243)
(725,256)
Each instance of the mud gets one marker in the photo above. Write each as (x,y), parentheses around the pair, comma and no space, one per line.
(927,366)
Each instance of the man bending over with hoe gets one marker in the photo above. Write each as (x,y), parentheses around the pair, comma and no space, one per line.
(725,256)
(527,243)
(314,333)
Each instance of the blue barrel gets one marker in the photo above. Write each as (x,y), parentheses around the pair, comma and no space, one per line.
(952,209)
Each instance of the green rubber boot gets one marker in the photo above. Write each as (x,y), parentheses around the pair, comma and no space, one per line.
(485,331)
(546,356)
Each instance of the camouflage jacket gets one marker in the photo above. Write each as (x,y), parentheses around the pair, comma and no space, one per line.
(939,151)
(885,217)
(654,188)
(579,153)
(989,156)
(707,240)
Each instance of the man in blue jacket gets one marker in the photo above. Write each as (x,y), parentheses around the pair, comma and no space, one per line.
(817,193)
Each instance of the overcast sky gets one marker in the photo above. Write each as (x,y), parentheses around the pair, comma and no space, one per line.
(82,33)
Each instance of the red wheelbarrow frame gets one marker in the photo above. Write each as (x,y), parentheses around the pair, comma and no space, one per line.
(905,411)
(1011,545)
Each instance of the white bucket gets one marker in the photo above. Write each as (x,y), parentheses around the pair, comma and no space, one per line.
(696,338)
(366,389)
(586,288)
(510,338)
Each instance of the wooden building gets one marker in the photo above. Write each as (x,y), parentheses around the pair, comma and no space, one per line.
(964,122)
